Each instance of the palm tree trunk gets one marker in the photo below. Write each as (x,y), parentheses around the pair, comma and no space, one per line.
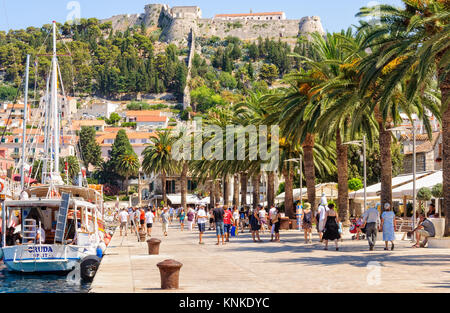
(163,182)
(217,191)
(445,92)
(342,179)
(183,188)
(310,174)
(212,202)
(226,190)
(128,185)
(255,194)
(244,180)
(271,189)
(236,189)
(386,164)
(288,190)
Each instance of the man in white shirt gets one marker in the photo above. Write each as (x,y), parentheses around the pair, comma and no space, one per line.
(202,218)
(123,219)
(149,221)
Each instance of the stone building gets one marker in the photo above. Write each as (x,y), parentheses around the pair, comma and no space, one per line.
(186,12)
(428,152)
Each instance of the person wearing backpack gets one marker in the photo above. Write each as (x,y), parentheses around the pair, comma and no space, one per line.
(190,218)
(307,222)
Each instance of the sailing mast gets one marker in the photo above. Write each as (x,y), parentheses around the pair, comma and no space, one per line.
(55,112)
(24,126)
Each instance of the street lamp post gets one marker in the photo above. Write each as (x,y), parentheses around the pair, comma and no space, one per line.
(363,142)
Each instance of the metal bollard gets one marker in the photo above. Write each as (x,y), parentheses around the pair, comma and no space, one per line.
(153,246)
(170,274)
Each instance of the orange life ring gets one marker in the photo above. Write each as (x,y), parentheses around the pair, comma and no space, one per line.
(2,186)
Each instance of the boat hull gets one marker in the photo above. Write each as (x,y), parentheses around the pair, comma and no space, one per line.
(44,258)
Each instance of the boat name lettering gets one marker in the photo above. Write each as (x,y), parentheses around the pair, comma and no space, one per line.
(40,249)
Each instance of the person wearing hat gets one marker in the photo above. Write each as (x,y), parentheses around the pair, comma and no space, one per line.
(165,219)
(307,222)
(371,221)
(202,217)
(321,215)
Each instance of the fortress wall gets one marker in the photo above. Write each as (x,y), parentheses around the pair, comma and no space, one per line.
(248,29)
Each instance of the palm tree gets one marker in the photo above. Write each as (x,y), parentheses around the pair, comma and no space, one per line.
(158,158)
(338,97)
(128,166)
(410,44)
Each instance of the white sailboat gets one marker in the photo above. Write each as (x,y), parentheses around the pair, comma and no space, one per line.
(60,225)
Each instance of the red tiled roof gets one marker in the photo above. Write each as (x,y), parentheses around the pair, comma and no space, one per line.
(143,113)
(147,118)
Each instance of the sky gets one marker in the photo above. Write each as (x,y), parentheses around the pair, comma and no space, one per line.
(335,14)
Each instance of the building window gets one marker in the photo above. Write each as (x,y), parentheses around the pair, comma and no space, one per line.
(170,186)
(192,185)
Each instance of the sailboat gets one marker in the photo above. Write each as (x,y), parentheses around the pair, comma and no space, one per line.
(61,225)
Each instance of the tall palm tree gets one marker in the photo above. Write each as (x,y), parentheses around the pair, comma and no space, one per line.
(158,158)
(411,44)
(129,166)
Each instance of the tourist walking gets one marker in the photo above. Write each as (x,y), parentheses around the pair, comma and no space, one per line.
(255,225)
(202,217)
(123,219)
(171,214)
(182,218)
(149,221)
(242,220)
(307,222)
(141,220)
(331,230)
(321,216)
(165,219)
(277,223)
(262,217)
(211,220)
(228,222)
(371,221)
(236,217)
(218,220)
(388,225)
(190,218)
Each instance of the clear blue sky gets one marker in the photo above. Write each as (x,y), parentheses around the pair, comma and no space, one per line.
(335,14)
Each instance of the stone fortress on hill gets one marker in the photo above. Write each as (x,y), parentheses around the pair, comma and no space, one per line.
(177,23)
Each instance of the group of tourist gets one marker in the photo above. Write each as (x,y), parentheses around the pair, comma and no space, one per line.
(228,221)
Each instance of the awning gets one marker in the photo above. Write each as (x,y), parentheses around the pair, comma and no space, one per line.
(373,191)
(427,181)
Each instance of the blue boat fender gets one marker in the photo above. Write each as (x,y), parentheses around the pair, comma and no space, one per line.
(99,252)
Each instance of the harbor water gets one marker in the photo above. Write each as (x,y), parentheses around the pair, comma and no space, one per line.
(34,283)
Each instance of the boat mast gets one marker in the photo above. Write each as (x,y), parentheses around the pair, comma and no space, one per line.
(55,111)
(46,133)
(24,126)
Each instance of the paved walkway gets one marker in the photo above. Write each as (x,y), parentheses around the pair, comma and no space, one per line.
(290,266)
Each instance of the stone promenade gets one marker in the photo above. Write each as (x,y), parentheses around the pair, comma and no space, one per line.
(243,266)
